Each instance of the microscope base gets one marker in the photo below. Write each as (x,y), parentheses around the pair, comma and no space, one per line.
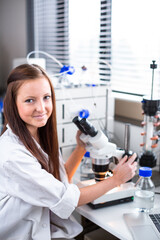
(111,203)
(121,194)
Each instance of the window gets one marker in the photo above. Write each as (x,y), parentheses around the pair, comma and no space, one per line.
(90,36)
(76,32)
(114,39)
(50,31)
(135,43)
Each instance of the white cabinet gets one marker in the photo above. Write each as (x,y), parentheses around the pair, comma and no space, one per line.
(97,100)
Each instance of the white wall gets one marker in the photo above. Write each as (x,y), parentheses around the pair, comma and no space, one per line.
(13,35)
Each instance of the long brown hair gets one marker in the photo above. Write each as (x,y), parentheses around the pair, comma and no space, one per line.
(47,133)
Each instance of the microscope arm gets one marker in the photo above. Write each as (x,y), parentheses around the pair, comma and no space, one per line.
(100,147)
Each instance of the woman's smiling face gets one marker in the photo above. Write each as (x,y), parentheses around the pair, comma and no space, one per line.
(34,103)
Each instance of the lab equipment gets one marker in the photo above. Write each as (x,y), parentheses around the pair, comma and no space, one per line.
(144,193)
(86,167)
(39,61)
(44,53)
(64,70)
(127,150)
(151,111)
(143,225)
(121,194)
(101,150)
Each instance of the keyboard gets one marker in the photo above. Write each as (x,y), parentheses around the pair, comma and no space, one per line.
(156,220)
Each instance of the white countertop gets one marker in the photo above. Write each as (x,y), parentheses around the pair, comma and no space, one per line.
(110,218)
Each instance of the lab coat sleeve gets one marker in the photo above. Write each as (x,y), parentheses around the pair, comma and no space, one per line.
(26,180)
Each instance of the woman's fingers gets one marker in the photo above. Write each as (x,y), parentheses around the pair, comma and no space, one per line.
(131,159)
(123,160)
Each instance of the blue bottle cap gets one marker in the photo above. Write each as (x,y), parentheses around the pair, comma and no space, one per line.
(87,154)
(145,172)
(68,69)
(84,113)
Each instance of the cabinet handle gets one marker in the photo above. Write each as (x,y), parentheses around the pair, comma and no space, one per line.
(62,135)
(63,113)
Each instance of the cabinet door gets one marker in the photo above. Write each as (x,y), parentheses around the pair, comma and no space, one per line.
(67,110)
(67,132)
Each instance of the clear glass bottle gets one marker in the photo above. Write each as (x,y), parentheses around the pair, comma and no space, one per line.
(145,190)
(86,167)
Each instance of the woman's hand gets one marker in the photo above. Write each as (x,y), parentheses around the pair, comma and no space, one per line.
(80,143)
(125,170)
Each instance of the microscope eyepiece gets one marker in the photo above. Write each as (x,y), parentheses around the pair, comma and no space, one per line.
(85,126)
(76,121)
(88,127)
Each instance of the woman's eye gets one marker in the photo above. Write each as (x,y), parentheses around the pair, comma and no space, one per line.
(47,97)
(29,100)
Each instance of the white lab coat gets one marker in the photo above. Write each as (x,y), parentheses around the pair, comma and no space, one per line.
(33,204)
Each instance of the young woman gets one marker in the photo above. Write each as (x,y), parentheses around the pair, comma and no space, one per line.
(37,197)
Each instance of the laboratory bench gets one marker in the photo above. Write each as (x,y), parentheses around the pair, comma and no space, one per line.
(110,218)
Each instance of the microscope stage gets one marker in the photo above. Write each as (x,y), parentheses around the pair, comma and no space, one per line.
(123,193)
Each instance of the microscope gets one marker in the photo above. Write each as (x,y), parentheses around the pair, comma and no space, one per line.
(102,153)
(101,150)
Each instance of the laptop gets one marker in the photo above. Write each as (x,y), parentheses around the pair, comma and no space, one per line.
(144,225)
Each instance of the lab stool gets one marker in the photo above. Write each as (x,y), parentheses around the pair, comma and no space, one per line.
(99,234)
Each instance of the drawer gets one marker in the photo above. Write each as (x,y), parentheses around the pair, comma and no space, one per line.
(67,132)
(67,109)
